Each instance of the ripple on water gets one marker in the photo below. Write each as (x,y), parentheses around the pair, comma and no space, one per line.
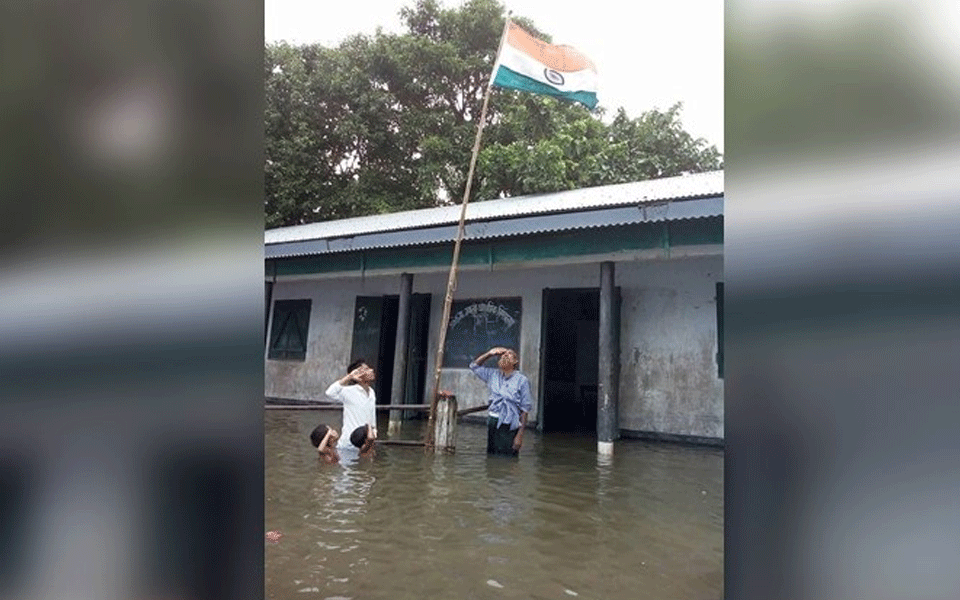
(408,519)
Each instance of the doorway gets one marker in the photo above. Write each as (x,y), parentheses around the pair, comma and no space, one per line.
(570,362)
(375,337)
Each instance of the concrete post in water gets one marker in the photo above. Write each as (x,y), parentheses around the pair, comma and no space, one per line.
(445,426)
(608,428)
(401,349)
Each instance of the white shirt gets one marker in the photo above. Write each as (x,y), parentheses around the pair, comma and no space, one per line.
(359,409)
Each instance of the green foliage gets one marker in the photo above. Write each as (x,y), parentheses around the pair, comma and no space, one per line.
(387,122)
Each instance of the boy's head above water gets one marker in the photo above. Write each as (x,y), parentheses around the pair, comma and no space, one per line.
(363,437)
(319,432)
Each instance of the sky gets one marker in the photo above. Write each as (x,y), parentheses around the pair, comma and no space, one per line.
(648,55)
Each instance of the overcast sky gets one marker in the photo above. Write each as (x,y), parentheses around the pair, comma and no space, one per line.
(648,55)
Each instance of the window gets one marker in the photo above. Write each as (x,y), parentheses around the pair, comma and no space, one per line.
(719,300)
(288,335)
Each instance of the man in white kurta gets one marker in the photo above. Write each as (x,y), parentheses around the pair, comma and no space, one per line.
(359,400)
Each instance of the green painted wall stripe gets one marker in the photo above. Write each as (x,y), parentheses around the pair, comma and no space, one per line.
(583,242)
(329,263)
(695,232)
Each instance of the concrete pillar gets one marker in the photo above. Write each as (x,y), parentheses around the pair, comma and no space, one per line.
(608,427)
(401,350)
(445,427)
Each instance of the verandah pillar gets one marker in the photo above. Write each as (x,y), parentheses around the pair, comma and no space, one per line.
(608,427)
(401,350)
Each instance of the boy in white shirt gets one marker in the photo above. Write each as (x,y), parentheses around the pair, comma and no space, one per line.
(359,400)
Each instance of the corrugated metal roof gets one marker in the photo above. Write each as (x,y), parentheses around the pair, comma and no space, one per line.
(479,230)
(698,185)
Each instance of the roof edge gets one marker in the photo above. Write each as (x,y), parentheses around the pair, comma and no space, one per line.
(441,219)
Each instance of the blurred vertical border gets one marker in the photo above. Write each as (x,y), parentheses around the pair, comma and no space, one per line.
(842,299)
(131,299)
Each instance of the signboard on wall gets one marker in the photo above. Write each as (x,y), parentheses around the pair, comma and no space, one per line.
(480,324)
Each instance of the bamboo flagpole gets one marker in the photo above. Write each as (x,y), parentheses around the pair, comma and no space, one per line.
(452,279)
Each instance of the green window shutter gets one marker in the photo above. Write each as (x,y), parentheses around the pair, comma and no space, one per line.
(289,334)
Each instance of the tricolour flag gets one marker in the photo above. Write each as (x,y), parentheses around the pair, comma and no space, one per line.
(532,65)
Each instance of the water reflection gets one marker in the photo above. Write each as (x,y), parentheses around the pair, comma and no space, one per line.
(553,523)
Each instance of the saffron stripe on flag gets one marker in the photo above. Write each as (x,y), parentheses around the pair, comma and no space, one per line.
(569,81)
(559,58)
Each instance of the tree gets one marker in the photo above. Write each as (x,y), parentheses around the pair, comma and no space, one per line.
(387,122)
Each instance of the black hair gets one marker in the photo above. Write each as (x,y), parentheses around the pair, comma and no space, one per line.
(359,436)
(356,363)
(316,436)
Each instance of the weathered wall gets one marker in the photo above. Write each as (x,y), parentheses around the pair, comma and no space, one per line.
(668,382)
(329,337)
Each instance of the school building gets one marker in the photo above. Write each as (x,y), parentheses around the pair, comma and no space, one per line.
(612,295)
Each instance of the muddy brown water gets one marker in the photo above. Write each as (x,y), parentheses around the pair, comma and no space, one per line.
(557,522)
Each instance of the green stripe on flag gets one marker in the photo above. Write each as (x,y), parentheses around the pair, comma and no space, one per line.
(507,78)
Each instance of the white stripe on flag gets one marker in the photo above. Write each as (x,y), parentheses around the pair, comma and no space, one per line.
(524,64)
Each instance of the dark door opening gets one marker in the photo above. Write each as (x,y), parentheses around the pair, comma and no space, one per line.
(570,361)
(375,339)
(415,388)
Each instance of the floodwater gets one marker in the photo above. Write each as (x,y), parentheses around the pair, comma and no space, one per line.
(557,522)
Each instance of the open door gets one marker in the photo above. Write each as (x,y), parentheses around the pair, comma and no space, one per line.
(416,379)
(570,359)
(375,337)
(569,366)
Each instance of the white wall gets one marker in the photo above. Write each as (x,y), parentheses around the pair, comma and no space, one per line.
(668,371)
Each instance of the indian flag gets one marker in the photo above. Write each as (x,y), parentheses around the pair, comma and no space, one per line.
(532,65)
